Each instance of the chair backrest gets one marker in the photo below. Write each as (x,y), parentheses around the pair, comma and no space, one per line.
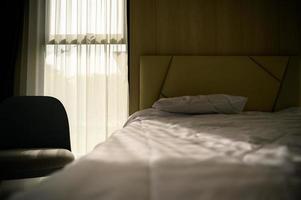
(33,122)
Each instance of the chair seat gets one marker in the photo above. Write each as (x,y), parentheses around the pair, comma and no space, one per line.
(29,163)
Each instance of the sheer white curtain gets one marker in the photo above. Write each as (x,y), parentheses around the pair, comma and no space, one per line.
(86,66)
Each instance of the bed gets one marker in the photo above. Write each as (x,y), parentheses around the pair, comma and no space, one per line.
(161,155)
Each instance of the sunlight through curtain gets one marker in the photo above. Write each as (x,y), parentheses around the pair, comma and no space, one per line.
(86,66)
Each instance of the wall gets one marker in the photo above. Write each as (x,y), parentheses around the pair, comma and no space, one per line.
(211,27)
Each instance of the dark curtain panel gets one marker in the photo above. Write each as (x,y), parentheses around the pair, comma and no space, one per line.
(128,37)
(11,22)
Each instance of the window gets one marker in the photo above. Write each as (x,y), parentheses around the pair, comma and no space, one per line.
(86,66)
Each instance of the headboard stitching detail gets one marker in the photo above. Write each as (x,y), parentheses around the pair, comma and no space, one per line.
(281,83)
(265,69)
(165,76)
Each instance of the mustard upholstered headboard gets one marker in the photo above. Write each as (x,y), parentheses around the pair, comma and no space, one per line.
(260,78)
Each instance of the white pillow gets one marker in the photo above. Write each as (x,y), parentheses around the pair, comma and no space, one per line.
(202,104)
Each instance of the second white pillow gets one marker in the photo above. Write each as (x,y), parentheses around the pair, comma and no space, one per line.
(202,104)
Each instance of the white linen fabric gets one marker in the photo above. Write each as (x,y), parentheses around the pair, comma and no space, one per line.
(164,156)
(86,66)
(202,104)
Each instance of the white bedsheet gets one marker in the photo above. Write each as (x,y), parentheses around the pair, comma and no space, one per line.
(161,156)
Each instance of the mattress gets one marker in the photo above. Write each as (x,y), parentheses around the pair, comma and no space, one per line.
(165,156)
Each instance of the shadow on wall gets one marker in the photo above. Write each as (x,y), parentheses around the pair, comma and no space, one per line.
(290,94)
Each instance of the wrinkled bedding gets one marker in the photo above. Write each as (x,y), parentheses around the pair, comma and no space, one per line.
(164,156)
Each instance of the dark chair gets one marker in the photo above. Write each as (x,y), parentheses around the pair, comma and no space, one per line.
(34,137)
